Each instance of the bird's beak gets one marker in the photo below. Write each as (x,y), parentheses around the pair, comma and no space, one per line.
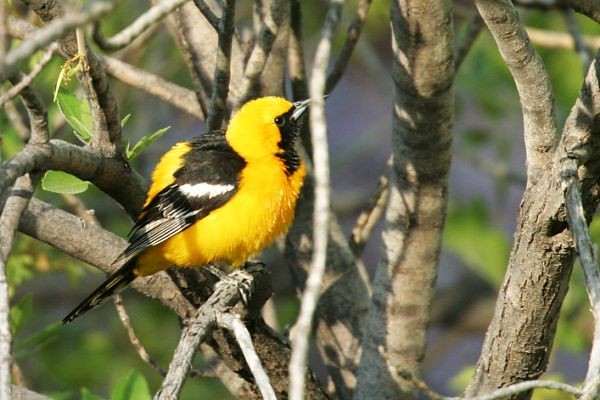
(299,108)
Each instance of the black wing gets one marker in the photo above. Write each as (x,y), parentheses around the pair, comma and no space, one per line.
(207,179)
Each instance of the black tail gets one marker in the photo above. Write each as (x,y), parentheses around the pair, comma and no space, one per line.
(112,285)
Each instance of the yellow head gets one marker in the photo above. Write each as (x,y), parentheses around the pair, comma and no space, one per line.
(265,127)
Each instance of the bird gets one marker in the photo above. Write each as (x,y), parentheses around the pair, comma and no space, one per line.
(219,197)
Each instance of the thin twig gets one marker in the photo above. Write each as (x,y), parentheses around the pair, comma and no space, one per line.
(16,120)
(222,74)
(137,345)
(474,27)
(9,221)
(496,394)
(28,79)
(54,30)
(368,218)
(242,336)
(318,125)
(154,15)
(354,29)
(210,16)
(580,44)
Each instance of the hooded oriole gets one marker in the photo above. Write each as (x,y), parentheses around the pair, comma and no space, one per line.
(222,196)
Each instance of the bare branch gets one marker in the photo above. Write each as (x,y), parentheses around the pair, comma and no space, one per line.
(95,246)
(233,323)
(222,67)
(28,79)
(9,220)
(589,8)
(210,16)
(258,57)
(178,96)
(542,258)
(531,79)
(354,29)
(112,176)
(580,45)
(135,342)
(55,30)
(201,325)
(573,156)
(21,393)
(368,218)
(137,27)
(559,40)
(404,283)
(318,123)
(474,27)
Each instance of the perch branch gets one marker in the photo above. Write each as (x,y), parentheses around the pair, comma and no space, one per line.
(302,330)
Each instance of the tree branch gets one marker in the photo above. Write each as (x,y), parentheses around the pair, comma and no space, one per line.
(318,125)
(542,258)
(354,30)
(233,323)
(531,79)
(137,27)
(55,30)
(222,68)
(176,95)
(258,57)
(404,283)
(198,328)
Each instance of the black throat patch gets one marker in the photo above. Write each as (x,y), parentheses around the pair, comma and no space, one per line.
(289,130)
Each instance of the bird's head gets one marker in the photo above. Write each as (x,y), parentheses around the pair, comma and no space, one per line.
(265,127)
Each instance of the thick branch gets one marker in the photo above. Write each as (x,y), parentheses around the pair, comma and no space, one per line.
(404,283)
(520,336)
(531,79)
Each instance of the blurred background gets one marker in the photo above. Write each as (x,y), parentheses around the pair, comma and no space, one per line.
(93,357)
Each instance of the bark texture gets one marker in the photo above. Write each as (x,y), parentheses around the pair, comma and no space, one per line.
(519,339)
(421,140)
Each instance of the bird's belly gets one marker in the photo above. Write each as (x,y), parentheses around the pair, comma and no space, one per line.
(259,212)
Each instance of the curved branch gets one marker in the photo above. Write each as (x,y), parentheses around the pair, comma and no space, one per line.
(531,79)
(176,95)
(137,27)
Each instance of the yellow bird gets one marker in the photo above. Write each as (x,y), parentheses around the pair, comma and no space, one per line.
(220,197)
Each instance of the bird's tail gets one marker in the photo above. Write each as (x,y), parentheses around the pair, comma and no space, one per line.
(114,284)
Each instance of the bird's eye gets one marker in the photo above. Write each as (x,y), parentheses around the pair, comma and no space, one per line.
(279,121)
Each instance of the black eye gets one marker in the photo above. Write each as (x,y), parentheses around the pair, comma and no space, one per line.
(279,121)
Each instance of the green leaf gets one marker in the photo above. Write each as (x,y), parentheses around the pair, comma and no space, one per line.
(37,341)
(481,246)
(61,182)
(86,394)
(145,142)
(125,119)
(77,113)
(20,313)
(131,387)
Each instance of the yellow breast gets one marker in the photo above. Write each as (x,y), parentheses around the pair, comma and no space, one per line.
(262,209)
